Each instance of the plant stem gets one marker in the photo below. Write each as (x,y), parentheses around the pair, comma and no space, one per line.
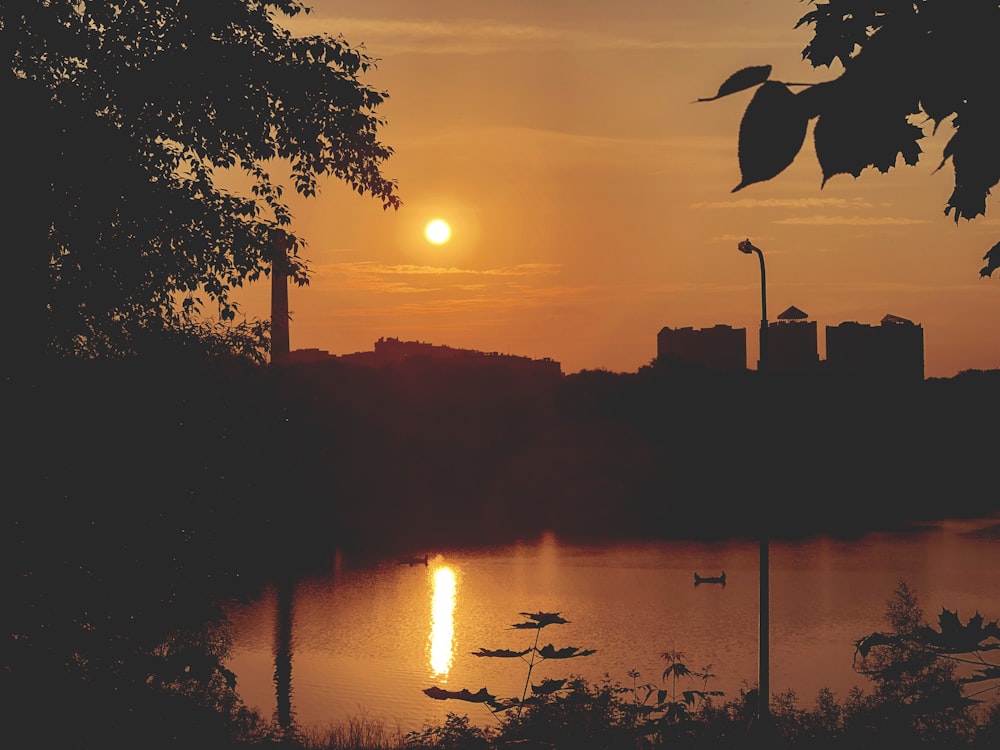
(531,665)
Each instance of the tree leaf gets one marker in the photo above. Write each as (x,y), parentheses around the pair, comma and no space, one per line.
(550,652)
(741,80)
(859,131)
(984,674)
(502,653)
(677,669)
(975,155)
(440,694)
(539,620)
(548,687)
(837,33)
(956,638)
(506,704)
(864,645)
(993,261)
(771,133)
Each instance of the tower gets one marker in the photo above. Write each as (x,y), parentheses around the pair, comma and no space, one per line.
(280,245)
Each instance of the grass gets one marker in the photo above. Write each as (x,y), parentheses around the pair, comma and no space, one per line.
(360,732)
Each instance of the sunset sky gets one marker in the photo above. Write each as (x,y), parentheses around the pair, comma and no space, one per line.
(589,196)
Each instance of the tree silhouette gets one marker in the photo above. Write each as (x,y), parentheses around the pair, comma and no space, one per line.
(951,644)
(120,118)
(906,64)
(914,669)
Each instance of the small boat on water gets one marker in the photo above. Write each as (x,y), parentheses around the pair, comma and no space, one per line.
(710,579)
(413,560)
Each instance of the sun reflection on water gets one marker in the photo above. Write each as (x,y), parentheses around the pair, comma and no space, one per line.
(442,636)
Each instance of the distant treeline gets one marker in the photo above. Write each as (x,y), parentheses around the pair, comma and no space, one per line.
(252,463)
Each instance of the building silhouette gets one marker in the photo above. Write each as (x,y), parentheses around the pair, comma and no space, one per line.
(392,351)
(892,349)
(718,348)
(792,343)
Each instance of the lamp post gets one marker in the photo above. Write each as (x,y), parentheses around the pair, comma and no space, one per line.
(763,717)
(747,247)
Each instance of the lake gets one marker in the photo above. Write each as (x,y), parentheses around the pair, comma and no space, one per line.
(365,639)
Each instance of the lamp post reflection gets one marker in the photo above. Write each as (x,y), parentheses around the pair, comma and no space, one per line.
(763,714)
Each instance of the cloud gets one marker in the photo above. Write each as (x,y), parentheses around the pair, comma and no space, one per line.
(854,221)
(413,278)
(786,203)
(525,269)
(493,302)
(485,36)
(382,269)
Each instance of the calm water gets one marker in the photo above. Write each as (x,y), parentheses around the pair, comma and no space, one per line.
(368,640)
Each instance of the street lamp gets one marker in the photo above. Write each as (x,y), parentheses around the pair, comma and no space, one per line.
(747,247)
(763,717)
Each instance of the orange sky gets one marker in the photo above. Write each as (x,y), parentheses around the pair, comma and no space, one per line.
(589,197)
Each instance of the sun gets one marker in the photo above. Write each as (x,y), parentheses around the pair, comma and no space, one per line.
(437,232)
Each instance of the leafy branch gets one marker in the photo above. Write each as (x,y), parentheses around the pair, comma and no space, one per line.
(532,656)
(960,643)
(904,65)
(668,705)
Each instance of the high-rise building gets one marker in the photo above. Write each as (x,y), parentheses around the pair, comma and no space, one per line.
(718,348)
(792,343)
(894,349)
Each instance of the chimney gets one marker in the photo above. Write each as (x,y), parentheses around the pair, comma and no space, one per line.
(280,245)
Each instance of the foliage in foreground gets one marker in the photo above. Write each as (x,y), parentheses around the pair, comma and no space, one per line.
(532,656)
(128,122)
(905,65)
(918,700)
(603,716)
